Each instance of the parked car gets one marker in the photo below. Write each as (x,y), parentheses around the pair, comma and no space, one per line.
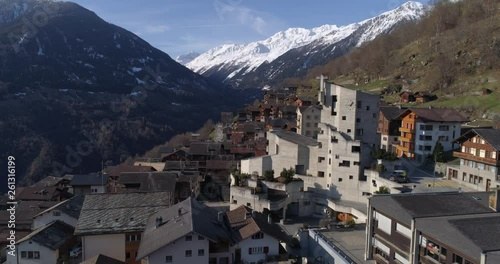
(399,178)
(75,252)
(400,172)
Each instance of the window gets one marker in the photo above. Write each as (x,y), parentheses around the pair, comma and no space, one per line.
(358,105)
(444,128)
(127,255)
(306,203)
(168,259)
(356,163)
(201,238)
(258,250)
(258,235)
(321,159)
(201,252)
(23,254)
(189,238)
(348,131)
(321,174)
(443,138)
(56,213)
(340,179)
(367,108)
(356,149)
(130,238)
(249,204)
(344,118)
(351,177)
(188,253)
(358,120)
(345,163)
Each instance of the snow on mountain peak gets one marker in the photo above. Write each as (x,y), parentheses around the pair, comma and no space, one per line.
(233,58)
(186,58)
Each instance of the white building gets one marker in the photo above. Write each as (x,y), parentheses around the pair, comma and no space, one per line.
(308,118)
(66,211)
(286,150)
(46,244)
(190,232)
(422,128)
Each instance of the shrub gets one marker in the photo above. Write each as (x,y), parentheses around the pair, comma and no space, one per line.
(380,168)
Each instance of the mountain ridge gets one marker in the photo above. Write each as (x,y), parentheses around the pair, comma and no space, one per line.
(231,62)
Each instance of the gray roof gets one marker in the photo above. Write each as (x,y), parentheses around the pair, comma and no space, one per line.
(470,234)
(71,207)
(115,213)
(53,235)
(194,217)
(391,112)
(92,179)
(490,135)
(435,115)
(405,207)
(48,181)
(205,148)
(295,138)
(150,181)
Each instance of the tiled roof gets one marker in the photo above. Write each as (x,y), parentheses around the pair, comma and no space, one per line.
(93,179)
(25,211)
(246,223)
(205,148)
(53,235)
(219,164)
(435,115)
(188,216)
(490,135)
(391,112)
(117,170)
(36,193)
(114,213)
(48,181)
(71,207)
(150,181)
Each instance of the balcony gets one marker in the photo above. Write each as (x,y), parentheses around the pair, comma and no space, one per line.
(404,139)
(405,149)
(468,156)
(407,130)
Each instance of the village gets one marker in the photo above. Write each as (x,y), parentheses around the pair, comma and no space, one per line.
(339,178)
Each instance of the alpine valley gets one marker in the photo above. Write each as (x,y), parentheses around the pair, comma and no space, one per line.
(76,90)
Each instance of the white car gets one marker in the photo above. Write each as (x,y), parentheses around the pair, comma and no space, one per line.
(75,252)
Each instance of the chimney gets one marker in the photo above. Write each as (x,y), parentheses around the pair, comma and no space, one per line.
(494,199)
(254,213)
(159,221)
(269,219)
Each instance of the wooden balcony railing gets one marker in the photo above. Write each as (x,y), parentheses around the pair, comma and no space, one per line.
(468,156)
(407,130)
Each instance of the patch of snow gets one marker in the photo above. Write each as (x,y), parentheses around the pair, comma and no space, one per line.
(139,82)
(136,69)
(63,90)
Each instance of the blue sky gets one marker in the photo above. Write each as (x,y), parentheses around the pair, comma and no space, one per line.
(177,27)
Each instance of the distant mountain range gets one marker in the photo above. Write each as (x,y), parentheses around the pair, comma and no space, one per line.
(67,77)
(291,52)
(187,58)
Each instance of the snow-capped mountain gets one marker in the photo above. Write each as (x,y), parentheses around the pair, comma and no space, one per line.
(187,58)
(287,52)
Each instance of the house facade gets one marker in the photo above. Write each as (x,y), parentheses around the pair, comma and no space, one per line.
(66,211)
(479,160)
(308,118)
(422,128)
(47,244)
(388,127)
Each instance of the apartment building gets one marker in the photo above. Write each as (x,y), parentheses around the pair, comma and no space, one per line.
(433,228)
(308,118)
(479,160)
(353,113)
(422,128)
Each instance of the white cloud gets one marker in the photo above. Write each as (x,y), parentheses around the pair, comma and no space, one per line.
(152,29)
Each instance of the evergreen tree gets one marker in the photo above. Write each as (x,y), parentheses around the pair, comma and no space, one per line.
(438,154)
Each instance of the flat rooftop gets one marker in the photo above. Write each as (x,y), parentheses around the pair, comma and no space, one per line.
(350,241)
